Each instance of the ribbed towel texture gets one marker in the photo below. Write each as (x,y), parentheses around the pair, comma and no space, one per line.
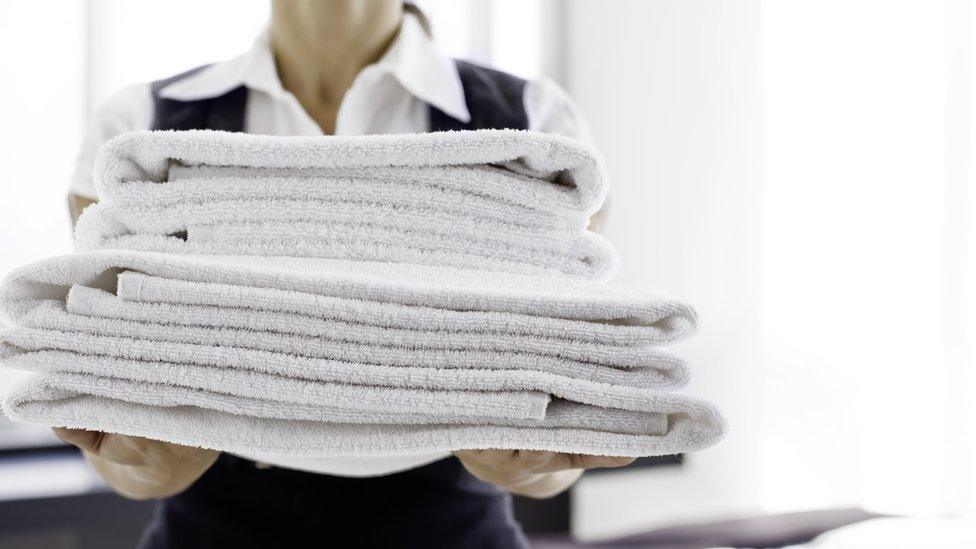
(497,200)
(225,304)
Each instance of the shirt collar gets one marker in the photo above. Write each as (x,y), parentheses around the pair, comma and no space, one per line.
(413,58)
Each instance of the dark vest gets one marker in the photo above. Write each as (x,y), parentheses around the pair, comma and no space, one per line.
(237,504)
(494,100)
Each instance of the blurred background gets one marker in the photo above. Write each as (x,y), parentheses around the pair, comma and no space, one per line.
(800,170)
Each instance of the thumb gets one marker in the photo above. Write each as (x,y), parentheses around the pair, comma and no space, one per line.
(86,440)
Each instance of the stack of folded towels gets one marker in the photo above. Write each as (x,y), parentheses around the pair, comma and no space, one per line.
(292,297)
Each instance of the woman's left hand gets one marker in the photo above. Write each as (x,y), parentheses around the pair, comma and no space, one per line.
(533,473)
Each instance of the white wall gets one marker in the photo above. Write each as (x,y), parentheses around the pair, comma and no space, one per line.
(842,353)
(42,107)
(132,41)
(672,92)
(868,345)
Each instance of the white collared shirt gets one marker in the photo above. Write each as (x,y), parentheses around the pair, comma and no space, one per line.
(389,96)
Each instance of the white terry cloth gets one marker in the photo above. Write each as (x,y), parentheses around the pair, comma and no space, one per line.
(545,171)
(388,295)
(478,403)
(160,339)
(500,200)
(403,399)
(125,383)
(231,361)
(272,429)
(422,191)
(193,323)
(280,227)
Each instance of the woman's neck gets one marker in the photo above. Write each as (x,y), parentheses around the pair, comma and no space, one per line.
(321,45)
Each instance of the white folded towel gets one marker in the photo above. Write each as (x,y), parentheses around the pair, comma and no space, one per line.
(231,361)
(318,230)
(489,200)
(575,172)
(233,340)
(93,311)
(390,295)
(161,337)
(234,424)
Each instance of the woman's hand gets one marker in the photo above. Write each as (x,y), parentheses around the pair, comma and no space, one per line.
(532,473)
(140,468)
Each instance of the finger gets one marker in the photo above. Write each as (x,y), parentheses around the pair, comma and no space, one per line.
(469,454)
(485,456)
(86,440)
(123,450)
(563,462)
(552,462)
(526,461)
(531,459)
(110,447)
(594,462)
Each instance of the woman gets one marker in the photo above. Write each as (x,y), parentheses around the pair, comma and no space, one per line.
(339,67)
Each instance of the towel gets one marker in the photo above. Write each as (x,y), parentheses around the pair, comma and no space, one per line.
(390,295)
(563,174)
(233,424)
(502,200)
(625,365)
(215,351)
(323,230)
(230,361)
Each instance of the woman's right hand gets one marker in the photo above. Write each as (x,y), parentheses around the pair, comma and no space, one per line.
(141,468)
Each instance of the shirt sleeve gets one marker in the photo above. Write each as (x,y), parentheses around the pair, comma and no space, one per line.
(130,109)
(551,110)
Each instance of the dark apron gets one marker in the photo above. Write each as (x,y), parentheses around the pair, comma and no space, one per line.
(238,505)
